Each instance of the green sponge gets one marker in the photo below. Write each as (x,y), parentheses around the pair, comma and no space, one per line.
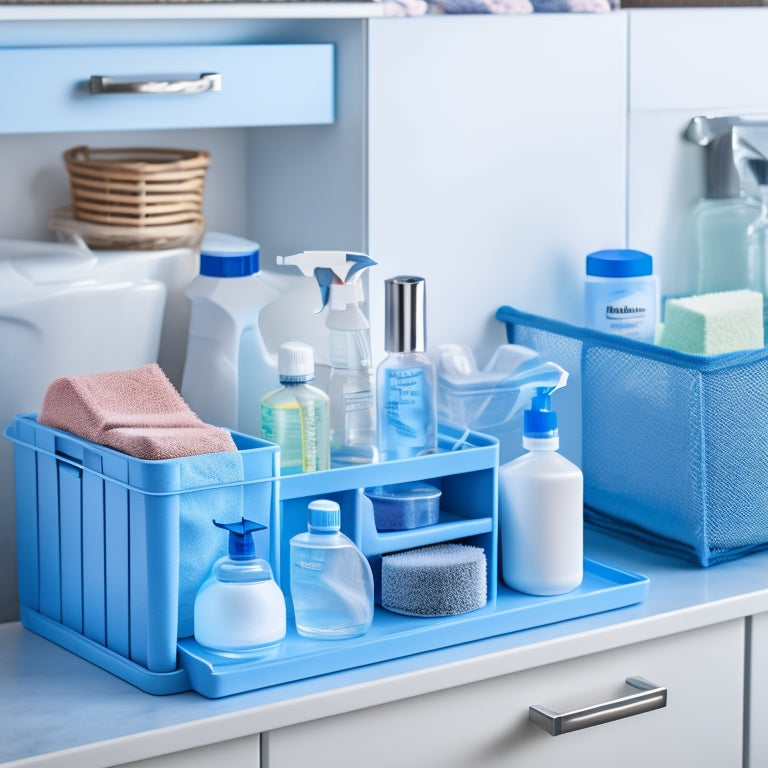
(713,323)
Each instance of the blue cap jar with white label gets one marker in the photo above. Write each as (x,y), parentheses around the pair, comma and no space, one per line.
(621,293)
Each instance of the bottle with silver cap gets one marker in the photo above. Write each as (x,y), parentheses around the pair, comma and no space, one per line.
(406,412)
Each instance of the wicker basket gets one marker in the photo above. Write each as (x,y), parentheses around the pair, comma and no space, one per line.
(141,187)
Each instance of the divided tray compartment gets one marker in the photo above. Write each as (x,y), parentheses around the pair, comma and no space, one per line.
(102,545)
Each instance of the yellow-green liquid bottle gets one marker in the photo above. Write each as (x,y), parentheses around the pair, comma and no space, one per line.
(295,416)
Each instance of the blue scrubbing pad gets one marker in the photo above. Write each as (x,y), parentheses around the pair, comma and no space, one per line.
(714,323)
(439,580)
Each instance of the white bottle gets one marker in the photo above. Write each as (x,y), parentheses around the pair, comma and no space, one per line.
(541,510)
(240,609)
(228,367)
(621,294)
(331,579)
(295,416)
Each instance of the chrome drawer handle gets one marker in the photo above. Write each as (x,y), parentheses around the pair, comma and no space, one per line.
(555,723)
(208,81)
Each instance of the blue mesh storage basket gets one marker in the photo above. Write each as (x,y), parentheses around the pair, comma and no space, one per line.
(674,445)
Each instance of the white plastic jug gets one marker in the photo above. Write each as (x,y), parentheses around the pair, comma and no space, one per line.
(64,310)
(229,366)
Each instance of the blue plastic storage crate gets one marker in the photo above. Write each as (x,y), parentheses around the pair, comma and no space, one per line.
(674,445)
(112,549)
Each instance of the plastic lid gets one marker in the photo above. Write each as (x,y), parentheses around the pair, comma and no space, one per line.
(621,262)
(540,422)
(295,362)
(224,255)
(241,544)
(324,516)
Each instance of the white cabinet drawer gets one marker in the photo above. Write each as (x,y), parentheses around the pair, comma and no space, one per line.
(485,724)
(48,89)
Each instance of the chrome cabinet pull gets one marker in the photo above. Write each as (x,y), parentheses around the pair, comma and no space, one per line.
(208,81)
(556,723)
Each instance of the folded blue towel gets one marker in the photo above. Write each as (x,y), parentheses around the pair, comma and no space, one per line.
(200,543)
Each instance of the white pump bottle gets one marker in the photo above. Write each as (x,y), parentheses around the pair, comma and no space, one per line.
(541,510)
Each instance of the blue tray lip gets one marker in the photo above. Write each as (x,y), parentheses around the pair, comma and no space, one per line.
(198,672)
(214,677)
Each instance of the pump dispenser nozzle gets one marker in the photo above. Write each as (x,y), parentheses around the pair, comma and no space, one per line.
(540,421)
(241,545)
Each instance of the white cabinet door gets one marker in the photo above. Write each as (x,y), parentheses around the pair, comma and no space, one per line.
(496,162)
(485,724)
(757,734)
(243,753)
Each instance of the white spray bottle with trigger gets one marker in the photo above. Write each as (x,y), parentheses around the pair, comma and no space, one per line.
(228,366)
(541,510)
(350,384)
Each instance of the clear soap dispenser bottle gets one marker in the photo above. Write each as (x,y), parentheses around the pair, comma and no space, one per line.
(240,609)
(721,218)
(331,579)
(541,510)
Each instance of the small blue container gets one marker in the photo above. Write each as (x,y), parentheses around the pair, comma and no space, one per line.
(404,506)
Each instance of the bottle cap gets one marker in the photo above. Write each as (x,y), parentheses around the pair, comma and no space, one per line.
(324,516)
(540,422)
(223,255)
(405,314)
(620,262)
(295,362)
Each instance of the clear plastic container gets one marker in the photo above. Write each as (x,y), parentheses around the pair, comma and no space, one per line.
(404,506)
(331,580)
(621,295)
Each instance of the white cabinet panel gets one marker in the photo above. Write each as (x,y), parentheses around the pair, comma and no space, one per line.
(757,735)
(485,724)
(700,58)
(496,162)
(243,753)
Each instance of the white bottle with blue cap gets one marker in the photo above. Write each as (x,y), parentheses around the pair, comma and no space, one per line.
(228,367)
(240,609)
(541,510)
(621,293)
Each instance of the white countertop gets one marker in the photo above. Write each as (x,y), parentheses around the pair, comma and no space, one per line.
(52,701)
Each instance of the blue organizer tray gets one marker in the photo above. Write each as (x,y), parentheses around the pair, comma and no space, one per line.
(392,635)
(103,556)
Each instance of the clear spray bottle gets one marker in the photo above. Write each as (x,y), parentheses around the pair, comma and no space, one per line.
(350,385)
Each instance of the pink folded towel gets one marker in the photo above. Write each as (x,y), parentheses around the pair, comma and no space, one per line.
(138,412)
